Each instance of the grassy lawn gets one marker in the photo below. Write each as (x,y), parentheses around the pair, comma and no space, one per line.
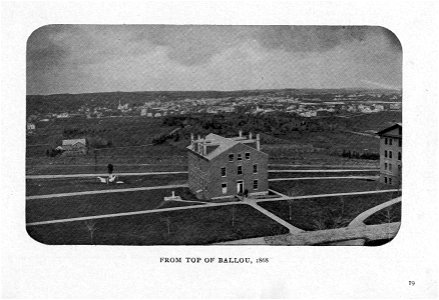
(316,158)
(325,212)
(101,168)
(90,205)
(283,166)
(315,187)
(389,214)
(186,227)
(121,131)
(320,174)
(158,154)
(67,185)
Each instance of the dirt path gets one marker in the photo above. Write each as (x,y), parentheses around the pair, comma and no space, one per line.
(174,186)
(323,178)
(272,216)
(140,212)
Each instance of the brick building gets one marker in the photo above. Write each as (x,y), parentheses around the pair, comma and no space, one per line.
(391,155)
(222,167)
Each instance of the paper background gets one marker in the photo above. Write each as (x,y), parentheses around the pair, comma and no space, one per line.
(31,269)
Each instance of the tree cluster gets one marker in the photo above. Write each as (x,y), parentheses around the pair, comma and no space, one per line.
(358,155)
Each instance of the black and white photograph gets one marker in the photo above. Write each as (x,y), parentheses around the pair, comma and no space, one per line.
(204,134)
(219,149)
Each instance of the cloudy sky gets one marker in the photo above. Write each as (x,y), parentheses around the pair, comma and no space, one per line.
(101,58)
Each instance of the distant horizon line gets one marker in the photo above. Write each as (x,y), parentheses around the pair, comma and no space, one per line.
(223,91)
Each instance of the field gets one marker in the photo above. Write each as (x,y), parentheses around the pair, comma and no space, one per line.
(325,212)
(165,154)
(128,140)
(278,156)
(327,186)
(320,174)
(129,143)
(66,185)
(66,169)
(141,130)
(186,227)
(76,184)
(99,204)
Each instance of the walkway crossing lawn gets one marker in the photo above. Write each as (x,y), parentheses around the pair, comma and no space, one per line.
(327,186)
(389,214)
(320,174)
(326,212)
(99,204)
(78,168)
(79,184)
(186,227)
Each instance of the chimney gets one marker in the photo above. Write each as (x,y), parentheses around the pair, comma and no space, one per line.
(250,135)
(258,142)
(199,137)
(192,137)
(240,133)
(204,148)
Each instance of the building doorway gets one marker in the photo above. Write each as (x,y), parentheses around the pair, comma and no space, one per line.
(240,187)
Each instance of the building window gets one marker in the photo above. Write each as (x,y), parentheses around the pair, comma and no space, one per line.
(400,131)
(255,184)
(385,179)
(239,170)
(385,153)
(239,156)
(400,142)
(399,156)
(390,154)
(385,166)
(223,172)
(255,168)
(231,157)
(390,167)
(224,188)
(399,168)
(385,141)
(390,142)
(247,155)
(390,180)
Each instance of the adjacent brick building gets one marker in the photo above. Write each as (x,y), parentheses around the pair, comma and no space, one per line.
(391,155)
(222,167)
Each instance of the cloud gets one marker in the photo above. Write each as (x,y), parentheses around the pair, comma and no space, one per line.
(90,58)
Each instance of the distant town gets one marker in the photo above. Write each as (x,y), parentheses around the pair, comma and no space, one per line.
(304,104)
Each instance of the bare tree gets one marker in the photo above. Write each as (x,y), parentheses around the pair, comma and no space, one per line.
(342,206)
(319,223)
(167,220)
(388,216)
(330,220)
(290,209)
(290,193)
(91,227)
(233,214)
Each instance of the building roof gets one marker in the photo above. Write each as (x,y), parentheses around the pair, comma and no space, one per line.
(73,142)
(222,144)
(396,125)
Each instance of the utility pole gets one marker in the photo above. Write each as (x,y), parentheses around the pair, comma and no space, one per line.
(95,153)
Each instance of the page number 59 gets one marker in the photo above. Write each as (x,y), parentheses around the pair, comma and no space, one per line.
(411,283)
